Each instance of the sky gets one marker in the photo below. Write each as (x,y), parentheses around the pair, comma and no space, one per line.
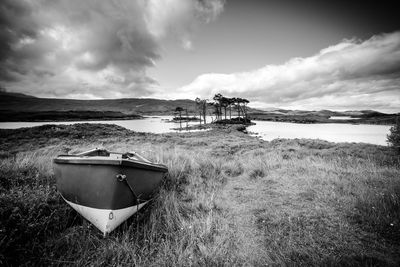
(309,54)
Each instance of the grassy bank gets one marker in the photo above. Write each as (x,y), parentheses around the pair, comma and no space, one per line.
(229,199)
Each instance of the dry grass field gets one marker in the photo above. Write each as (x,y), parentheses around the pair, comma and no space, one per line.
(229,200)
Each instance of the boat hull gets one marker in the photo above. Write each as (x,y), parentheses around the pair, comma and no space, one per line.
(106,191)
(106,220)
(97,186)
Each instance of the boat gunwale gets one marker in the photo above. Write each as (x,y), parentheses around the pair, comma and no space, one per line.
(79,160)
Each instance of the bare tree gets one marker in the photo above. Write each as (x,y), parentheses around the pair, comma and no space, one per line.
(224,104)
(217,110)
(202,108)
(187,118)
(218,99)
(179,109)
(236,102)
(198,107)
(245,102)
(230,103)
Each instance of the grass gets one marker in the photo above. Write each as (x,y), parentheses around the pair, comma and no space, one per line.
(229,200)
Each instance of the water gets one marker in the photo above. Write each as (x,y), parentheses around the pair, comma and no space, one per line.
(334,132)
(157,124)
(267,130)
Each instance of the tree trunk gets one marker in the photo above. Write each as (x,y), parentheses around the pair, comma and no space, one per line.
(200,116)
(180,120)
(245,113)
(187,119)
(204,112)
(225,111)
(204,116)
(242,111)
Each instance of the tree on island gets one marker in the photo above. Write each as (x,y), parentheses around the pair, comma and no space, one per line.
(235,102)
(202,108)
(230,103)
(218,105)
(244,102)
(216,111)
(240,104)
(179,109)
(223,104)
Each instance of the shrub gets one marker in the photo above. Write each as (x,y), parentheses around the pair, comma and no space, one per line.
(394,137)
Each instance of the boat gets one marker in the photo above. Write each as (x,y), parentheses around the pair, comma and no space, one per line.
(105,187)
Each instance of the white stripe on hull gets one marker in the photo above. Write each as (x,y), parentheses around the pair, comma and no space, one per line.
(105,220)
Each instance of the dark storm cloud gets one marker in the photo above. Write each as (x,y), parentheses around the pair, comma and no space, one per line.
(96,48)
(12,30)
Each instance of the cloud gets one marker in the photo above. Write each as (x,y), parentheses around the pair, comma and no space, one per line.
(91,48)
(351,74)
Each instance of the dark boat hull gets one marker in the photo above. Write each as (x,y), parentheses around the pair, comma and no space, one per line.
(97,186)
(106,190)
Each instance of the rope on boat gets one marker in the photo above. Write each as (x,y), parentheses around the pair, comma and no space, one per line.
(122,178)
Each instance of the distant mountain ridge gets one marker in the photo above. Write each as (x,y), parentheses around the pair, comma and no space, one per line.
(21,107)
(6,94)
(13,102)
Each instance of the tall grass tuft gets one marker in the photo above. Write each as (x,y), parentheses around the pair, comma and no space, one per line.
(181,226)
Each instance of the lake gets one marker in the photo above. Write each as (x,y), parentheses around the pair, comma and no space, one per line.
(157,124)
(267,130)
(334,132)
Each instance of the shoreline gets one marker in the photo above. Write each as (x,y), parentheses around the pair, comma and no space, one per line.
(304,120)
(350,132)
(144,116)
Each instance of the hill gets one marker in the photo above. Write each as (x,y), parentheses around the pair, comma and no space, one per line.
(5,94)
(16,103)
(21,107)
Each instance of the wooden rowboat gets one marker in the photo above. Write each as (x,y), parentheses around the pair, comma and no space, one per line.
(106,187)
